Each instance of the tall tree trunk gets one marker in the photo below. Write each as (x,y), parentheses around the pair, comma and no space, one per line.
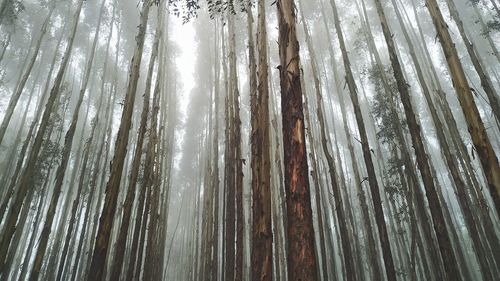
(98,264)
(261,163)
(26,180)
(301,257)
(20,87)
(61,170)
(435,206)
(315,174)
(475,125)
(149,178)
(477,62)
(119,255)
(372,177)
(214,264)
(349,261)
(237,161)
(229,185)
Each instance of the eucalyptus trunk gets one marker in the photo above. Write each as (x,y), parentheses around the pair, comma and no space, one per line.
(435,206)
(482,144)
(26,180)
(300,232)
(262,239)
(24,78)
(98,264)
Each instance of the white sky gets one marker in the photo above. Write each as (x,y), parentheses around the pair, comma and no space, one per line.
(183,35)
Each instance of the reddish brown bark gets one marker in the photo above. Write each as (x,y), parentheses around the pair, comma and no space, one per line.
(301,256)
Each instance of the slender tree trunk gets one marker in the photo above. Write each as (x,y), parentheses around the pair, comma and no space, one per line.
(20,86)
(26,179)
(316,180)
(372,177)
(214,264)
(435,206)
(475,125)
(149,177)
(98,264)
(118,258)
(237,162)
(350,272)
(61,170)
(229,185)
(261,164)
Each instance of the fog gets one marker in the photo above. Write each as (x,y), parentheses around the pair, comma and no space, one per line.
(249,140)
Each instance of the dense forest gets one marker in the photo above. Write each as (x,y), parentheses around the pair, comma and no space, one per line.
(249,140)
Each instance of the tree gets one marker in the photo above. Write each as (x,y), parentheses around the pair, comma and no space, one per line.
(19,88)
(335,186)
(119,254)
(98,264)
(261,169)
(26,179)
(482,144)
(61,170)
(435,206)
(301,258)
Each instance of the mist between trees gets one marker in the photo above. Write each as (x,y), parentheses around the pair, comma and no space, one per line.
(249,140)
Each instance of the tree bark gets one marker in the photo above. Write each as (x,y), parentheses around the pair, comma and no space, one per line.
(26,180)
(475,125)
(119,255)
(435,206)
(262,238)
(61,170)
(20,87)
(301,257)
(460,187)
(98,264)
(349,261)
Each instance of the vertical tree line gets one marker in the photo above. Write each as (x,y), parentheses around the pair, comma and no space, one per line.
(249,140)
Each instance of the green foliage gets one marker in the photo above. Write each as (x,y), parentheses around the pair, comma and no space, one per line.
(185,9)
(388,123)
(387,118)
(493,25)
(360,44)
(49,153)
(188,9)
(51,150)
